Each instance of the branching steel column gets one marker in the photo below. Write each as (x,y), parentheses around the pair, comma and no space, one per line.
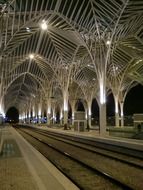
(122,113)
(61,116)
(48,111)
(102,112)
(89,114)
(65,108)
(102,102)
(73,111)
(116,112)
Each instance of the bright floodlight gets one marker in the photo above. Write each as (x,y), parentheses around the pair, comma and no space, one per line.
(44,25)
(27,29)
(31,56)
(108,42)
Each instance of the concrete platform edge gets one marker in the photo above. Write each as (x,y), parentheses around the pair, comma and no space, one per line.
(129,143)
(65,182)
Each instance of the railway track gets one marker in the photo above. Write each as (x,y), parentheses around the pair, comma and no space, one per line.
(130,159)
(100,144)
(89,175)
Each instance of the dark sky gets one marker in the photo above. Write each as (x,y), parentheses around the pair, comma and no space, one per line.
(12,114)
(134,101)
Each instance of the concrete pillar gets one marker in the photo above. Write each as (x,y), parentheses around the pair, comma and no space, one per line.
(39,118)
(117,119)
(53,121)
(25,117)
(29,116)
(122,113)
(65,117)
(29,120)
(89,121)
(73,112)
(89,115)
(72,118)
(102,119)
(61,121)
(49,111)
(54,116)
(86,116)
(102,105)
(42,116)
(48,118)
(116,112)
(61,116)
(33,113)
(65,108)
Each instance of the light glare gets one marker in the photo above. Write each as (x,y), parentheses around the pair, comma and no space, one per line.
(65,106)
(108,42)
(49,110)
(31,56)
(116,107)
(44,25)
(102,92)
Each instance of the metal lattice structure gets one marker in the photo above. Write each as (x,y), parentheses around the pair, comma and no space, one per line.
(87,48)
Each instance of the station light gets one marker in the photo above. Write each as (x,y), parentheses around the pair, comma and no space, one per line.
(44,25)
(108,42)
(31,56)
(116,68)
(27,29)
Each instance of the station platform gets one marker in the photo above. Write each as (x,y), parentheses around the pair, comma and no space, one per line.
(22,167)
(94,134)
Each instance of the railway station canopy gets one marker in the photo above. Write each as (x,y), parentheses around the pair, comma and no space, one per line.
(55,52)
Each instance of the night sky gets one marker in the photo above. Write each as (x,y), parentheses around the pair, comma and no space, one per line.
(134,101)
(12,114)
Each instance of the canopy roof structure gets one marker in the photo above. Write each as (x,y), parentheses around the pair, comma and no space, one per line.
(66,50)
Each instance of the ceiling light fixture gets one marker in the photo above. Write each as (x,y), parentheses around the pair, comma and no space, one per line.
(44,25)
(108,42)
(31,56)
(27,29)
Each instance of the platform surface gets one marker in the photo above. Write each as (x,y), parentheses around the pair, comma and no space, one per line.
(93,134)
(22,167)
